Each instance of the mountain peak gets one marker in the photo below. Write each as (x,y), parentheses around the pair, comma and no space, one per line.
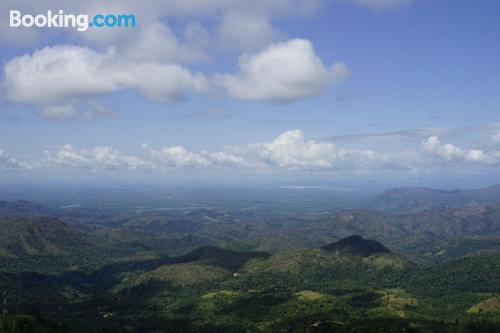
(356,245)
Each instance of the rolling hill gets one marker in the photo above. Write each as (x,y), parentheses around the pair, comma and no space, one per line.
(23,207)
(356,245)
(356,282)
(40,236)
(414,199)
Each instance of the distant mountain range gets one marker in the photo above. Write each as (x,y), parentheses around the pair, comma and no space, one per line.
(431,265)
(413,199)
(23,207)
(428,236)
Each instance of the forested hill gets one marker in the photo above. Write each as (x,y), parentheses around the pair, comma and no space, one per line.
(413,199)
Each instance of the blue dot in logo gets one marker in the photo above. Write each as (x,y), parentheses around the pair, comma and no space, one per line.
(91,24)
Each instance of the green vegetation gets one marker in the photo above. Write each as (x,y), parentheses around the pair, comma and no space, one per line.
(252,266)
(26,324)
(304,291)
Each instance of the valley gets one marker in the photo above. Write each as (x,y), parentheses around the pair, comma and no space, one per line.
(211,264)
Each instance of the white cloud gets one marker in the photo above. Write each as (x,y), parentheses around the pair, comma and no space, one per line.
(166,158)
(54,78)
(288,152)
(451,153)
(291,150)
(478,156)
(59,80)
(7,162)
(207,13)
(382,4)
(283,72)
(447,152)
(180,157)
(176,156)
(96,158)
(225,159)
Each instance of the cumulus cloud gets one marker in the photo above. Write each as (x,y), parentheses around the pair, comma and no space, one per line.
(54,78)
(479,156)
(152,58)
(109,158)
(180,157)
(8,163)
(292,151)
(447,152)
(213,15)
(283,72)
(451,153)
(288,152)
(96,158)
(382,4)
(59,80)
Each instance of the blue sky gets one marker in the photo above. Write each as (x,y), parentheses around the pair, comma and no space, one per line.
(273,89)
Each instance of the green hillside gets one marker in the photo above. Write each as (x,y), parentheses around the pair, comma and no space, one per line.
(350,285)
(226,270)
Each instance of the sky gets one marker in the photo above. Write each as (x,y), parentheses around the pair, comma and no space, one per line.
(303,90)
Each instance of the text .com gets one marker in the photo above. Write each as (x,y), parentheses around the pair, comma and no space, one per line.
(81,22)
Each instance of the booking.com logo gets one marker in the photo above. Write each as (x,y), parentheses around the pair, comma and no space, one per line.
(80,22)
